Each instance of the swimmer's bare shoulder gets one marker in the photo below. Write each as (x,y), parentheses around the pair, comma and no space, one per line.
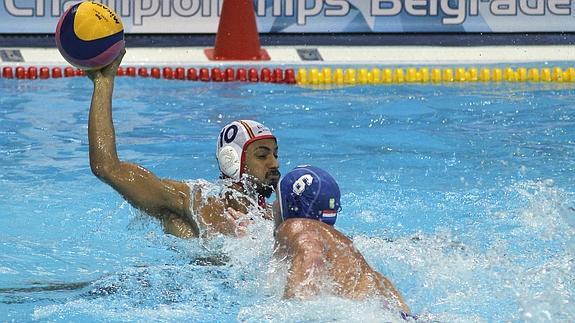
(292,230)
(296,229)
(295,236)
(215,214)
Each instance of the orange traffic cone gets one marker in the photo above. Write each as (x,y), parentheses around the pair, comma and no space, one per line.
(237,37)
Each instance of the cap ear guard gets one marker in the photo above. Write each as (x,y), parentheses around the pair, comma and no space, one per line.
(229,162)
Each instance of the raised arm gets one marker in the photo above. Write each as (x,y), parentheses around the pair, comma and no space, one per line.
(165,199)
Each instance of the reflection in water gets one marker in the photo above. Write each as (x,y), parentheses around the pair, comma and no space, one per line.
(44,287)
(38,291)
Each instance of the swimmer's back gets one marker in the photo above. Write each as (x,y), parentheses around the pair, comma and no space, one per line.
(350,273)
(347,267)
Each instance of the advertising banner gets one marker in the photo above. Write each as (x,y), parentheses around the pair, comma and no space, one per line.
(311,16)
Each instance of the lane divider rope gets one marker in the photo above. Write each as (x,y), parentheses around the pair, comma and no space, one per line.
(352,76)
(276,75)
(316,76)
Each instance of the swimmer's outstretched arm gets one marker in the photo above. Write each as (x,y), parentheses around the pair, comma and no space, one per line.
(165,199)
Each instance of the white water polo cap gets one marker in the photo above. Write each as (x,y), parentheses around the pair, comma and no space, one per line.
(232,143)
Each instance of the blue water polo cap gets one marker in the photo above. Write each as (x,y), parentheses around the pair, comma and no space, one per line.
(309,192)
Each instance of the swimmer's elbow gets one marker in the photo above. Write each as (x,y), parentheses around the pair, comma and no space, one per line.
(98,169)
(103,161)
(101,170)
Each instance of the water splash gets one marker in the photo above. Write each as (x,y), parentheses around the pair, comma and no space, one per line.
(519,262)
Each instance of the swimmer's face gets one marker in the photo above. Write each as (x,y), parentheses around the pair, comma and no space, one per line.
(262,165)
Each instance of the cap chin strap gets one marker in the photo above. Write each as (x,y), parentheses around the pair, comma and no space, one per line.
(262,202)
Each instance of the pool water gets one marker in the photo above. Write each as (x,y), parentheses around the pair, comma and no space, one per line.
(462,195)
